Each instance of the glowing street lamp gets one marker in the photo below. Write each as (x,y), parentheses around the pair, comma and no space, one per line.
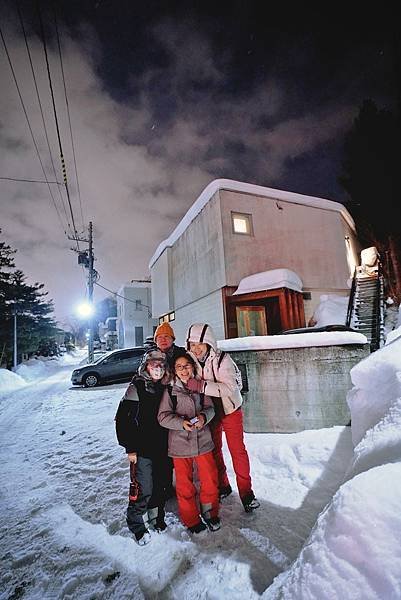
(85,310)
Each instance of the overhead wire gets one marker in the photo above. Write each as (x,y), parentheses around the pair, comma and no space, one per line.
(29,125)
(63,166)
(123,297)
(68,114)
(30,180)
(40,106)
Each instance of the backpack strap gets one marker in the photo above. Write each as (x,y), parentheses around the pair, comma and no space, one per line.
(173,397)
(222,355)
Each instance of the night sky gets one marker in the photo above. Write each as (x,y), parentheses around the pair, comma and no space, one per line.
(164,98)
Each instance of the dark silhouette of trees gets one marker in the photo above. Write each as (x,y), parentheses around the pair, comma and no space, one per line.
(36,328)
(371,161)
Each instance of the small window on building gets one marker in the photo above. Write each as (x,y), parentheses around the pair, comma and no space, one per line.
(242,223)
(138,304)
(167,318)
(139,336)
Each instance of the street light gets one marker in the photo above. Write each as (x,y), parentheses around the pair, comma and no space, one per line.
(86,311)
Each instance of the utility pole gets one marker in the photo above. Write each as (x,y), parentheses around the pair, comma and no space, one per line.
(87,259)
(15,339)
(91,274)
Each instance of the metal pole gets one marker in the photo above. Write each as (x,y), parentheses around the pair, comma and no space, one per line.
(90,293)
(15,340)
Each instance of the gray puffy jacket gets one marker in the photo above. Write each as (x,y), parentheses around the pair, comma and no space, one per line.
(182,443)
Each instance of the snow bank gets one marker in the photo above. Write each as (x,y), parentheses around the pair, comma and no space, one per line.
(10,381)
(36,368)
(44,366)
(377,386)
(269,280)
(354,550)
(332,310)
(292,340)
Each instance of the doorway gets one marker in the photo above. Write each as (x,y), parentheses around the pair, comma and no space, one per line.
(251,320)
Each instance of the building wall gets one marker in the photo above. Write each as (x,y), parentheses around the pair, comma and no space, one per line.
(197,258)
(162,285)
(305,239)
(208,309)
(130,317)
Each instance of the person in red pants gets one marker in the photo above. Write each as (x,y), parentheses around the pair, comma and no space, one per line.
(221,380)
(186,414)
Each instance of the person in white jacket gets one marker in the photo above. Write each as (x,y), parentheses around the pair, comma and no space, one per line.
(219,379)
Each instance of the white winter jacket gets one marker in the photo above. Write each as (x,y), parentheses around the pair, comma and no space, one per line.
(220,380)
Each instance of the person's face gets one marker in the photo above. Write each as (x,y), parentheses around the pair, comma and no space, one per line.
(164,342)
(183,369)
(199,350)
(156,369)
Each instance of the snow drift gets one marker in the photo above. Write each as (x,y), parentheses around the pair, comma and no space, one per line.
(353,550)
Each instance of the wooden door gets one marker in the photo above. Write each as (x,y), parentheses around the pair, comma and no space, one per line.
(251,320)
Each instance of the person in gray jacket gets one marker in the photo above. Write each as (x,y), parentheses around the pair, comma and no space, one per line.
(186,414)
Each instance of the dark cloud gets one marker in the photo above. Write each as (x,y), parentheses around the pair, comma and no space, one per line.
(162,102)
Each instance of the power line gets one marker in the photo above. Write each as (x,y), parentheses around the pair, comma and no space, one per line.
(68,114)
(123,297)
(29,124)
(57,125)
(40,105)
(30,180)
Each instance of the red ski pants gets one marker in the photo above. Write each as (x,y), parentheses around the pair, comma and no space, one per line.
(186,490)
(232,425)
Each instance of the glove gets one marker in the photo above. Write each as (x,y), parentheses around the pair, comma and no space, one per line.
(195,385)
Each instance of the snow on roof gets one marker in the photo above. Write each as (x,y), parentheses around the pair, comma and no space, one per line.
(269,280)
(134,285)
(247,188)
(292,340)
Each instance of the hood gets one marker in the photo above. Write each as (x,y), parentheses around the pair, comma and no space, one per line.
(154,355)
(201,333)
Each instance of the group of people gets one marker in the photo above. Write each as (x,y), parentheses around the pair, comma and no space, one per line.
(172,415)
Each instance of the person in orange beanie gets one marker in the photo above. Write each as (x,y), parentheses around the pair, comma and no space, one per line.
(164,340)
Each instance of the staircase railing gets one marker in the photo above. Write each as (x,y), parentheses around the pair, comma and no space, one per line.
(377,324)
(350,308)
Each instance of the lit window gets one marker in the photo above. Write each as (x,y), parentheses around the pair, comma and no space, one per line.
(242,223)
(167,318)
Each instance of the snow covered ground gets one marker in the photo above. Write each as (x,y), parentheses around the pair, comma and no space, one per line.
(64,488)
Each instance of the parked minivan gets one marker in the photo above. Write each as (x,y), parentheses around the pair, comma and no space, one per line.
(117,365)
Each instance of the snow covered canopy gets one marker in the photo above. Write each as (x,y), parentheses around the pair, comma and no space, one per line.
(247,188)
(269,280)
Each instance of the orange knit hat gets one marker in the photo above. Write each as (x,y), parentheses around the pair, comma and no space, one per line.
(164,329)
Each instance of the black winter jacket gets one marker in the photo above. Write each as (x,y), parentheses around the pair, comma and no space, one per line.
(137,427)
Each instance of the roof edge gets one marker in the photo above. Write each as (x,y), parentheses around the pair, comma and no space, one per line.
(248,188)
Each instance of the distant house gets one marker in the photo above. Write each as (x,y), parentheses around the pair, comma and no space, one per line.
(252,260)
(134,316)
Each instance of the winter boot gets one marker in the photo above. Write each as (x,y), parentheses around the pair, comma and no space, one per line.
(225,491)
(213,523)
(250,503)
(142,537)
(198,528)
(160,525)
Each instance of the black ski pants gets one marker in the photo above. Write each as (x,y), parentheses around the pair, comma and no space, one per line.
(152,475)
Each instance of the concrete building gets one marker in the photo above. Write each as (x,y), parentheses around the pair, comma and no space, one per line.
(236,230)
(134,316)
